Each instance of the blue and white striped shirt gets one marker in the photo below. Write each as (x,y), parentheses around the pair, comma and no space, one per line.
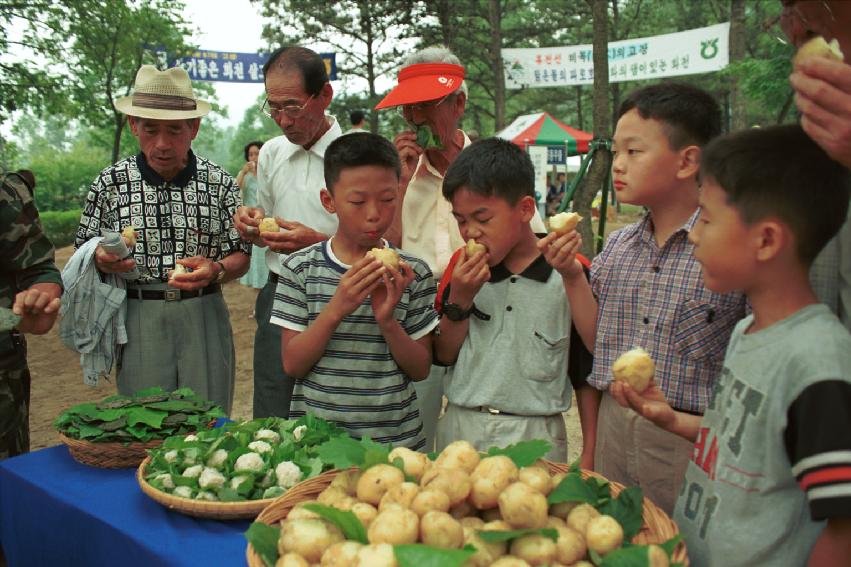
(357,383)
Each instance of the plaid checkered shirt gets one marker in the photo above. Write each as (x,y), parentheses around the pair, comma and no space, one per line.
(653,297)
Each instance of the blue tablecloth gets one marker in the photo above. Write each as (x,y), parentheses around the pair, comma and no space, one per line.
(55,511)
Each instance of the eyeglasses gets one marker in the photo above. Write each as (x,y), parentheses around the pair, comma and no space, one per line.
(422,105)
(291,110)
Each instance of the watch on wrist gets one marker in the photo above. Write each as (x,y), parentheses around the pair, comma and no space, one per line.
(455,312)
(222,272)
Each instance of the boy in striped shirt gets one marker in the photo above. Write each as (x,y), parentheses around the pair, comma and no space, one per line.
(769,482)
(357,332)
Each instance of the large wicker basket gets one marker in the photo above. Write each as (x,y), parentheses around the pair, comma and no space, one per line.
(108,455)
(657,527)
(201,508)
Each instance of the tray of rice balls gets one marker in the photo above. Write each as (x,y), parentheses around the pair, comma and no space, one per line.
(508,507)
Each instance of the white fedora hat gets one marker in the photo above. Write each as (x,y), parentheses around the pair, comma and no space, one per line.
(162,95)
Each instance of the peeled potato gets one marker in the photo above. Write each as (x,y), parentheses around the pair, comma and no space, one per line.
(269,224)
(563,223)
(178,270)
(818,47)
(386,256)
(130,235)
(636,368)
(473,247)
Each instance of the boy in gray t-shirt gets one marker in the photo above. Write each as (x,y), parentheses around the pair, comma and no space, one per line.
(769,482)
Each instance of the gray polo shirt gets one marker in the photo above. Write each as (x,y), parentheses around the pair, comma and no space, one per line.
(514,357)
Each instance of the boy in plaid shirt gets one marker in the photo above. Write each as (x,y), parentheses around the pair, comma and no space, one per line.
(646,288)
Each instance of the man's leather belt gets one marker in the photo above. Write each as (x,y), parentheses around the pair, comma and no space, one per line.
(171,294)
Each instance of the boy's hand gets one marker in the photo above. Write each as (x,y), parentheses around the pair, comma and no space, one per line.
(823,95)
(356,284)
(650,404)
(38,307)
(468,277)
(386,297)
(560,252)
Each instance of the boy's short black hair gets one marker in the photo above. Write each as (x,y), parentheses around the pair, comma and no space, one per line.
(250,145)
(356,117)
(691,116)
(780,172)
(307,62)
(492,167)
(358,149)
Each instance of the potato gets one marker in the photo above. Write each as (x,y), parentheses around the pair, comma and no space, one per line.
(376,481)
(179,269)
(347,481)
(472,522)
(299,512)
(636,368)
(497,526)
(386,256)
(291,560)
(269,224)
(818,47)
(523,507)
(462,510)
(130,235)
(580,516)
(394,526)
(486,553)
(380,555)
(603,534)
(582,564)
(366,513)
(345,503)
(562,509)
(341,554)
(414,463)
(553,521)
(458,455)
(556,479)
(455,483)
(536,477)
(570,546)
(427,500)
(473,247)
(331,495)
(403,495)
(657,557)
(490,477)
(309,538)
(534,549)
(439,529)
(509,561)
(563,223)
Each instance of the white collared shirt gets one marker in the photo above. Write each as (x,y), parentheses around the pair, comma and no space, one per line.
(289,180)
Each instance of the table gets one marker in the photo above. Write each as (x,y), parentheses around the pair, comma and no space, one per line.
(55,511)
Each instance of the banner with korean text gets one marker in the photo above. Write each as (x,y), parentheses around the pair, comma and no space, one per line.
(701,50)
(231,67)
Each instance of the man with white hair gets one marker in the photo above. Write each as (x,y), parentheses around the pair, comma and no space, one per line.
(180,208)
(431,95)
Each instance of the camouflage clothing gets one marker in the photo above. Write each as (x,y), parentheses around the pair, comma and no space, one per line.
(26,258)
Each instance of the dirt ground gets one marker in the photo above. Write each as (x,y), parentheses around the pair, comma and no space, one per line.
(58,383)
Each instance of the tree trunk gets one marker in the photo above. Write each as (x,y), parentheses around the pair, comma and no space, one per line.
(581,124)
(598,172)
(120,122)
(495,20)
(738,47)
(366,19)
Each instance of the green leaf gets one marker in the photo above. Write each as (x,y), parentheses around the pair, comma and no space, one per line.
(348,523)
(88,431)
(264,539)
(375,454)
(670,545)
(627,510)
(419,555)
(172,405)
(496,536)
(573,488)
(523,453)
(342,452)
(632,556)
(151,418)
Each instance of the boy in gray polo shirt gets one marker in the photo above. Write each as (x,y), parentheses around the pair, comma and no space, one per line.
(769,482)
(505,320)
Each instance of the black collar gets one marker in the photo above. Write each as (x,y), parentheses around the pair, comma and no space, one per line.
(153,178)
(539,271)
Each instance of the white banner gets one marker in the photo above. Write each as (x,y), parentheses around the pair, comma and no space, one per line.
(703,50)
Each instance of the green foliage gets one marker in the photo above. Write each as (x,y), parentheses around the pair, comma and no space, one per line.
(60,226)
(264,539)
(345,452)
(523,453)
(499,536)
(419,555)
(348,523)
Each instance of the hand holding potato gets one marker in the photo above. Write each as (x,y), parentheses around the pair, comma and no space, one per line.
(355,286)
(38,307)
(560,252)
(468,277)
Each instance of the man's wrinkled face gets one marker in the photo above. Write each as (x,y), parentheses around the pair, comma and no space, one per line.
(165,143)
(285,90)
(441,115)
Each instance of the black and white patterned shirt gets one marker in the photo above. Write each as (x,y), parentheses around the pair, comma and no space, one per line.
(191,215)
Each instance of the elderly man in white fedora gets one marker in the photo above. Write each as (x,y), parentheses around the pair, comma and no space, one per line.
(180,207)
(431,95)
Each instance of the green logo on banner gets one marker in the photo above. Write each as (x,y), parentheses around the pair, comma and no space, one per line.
(709,48)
